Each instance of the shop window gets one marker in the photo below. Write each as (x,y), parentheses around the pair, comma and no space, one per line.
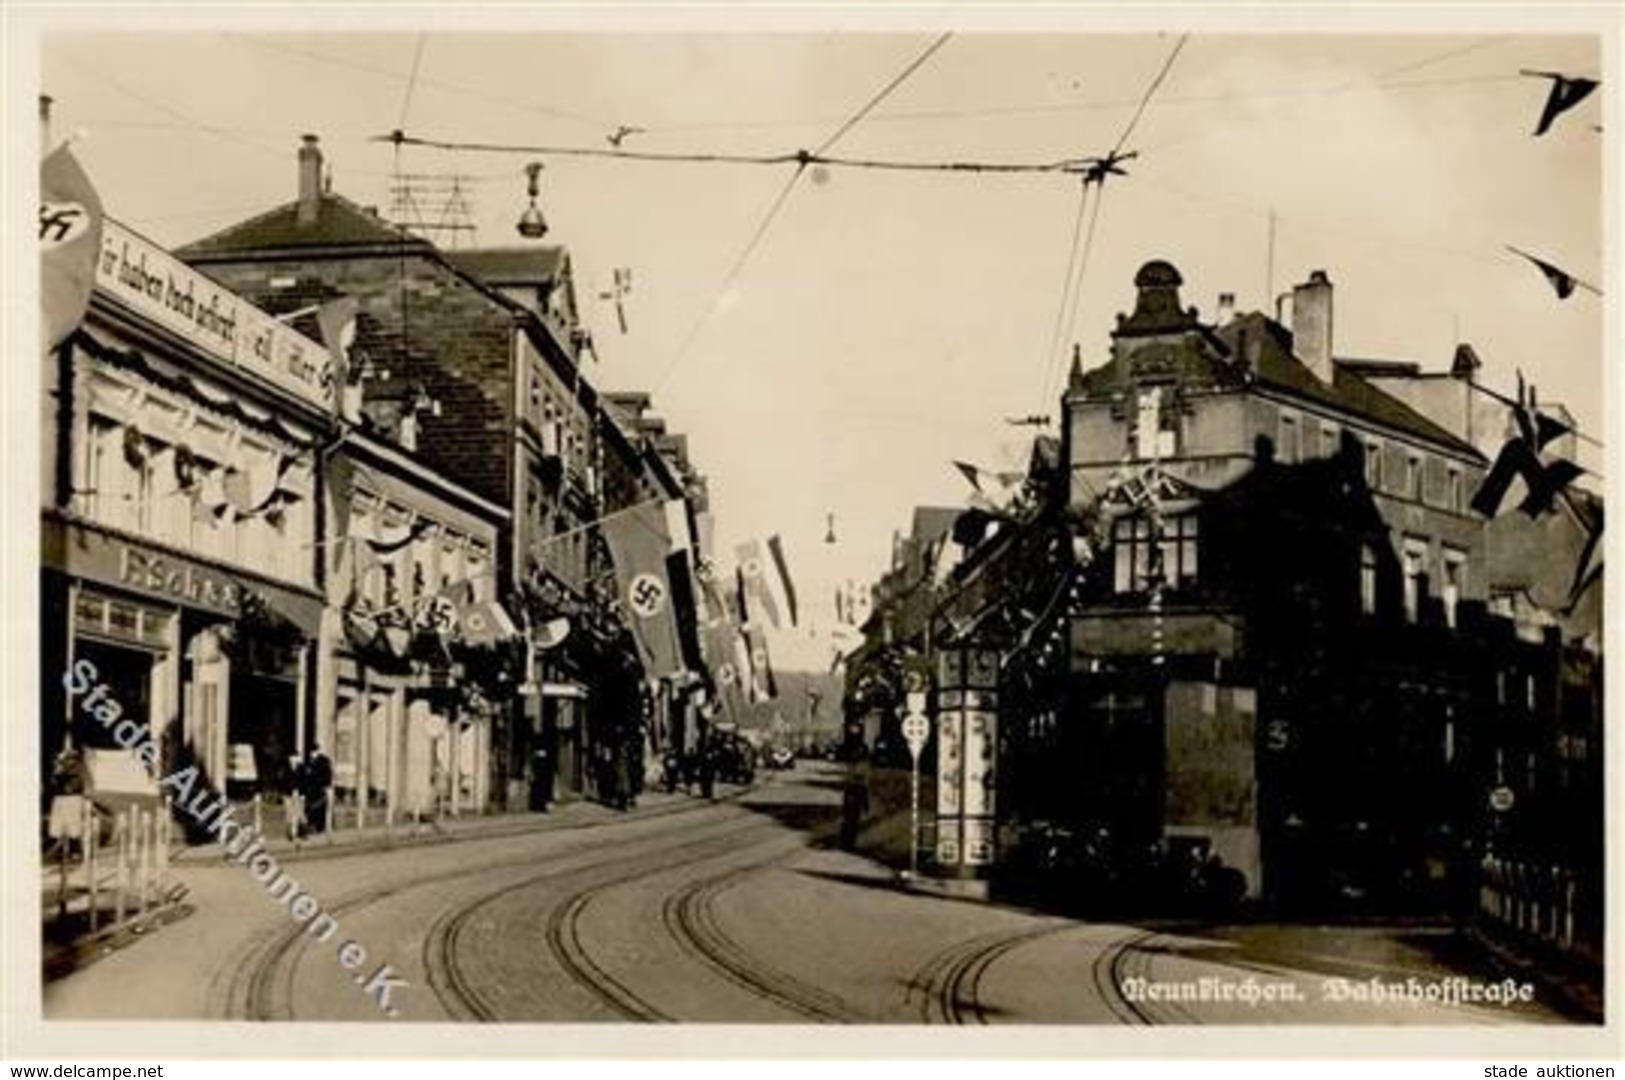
(128,674)
(1139,557)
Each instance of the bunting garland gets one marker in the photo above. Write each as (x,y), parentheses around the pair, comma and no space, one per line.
(1521,458)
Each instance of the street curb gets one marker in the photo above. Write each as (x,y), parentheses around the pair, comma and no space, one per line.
(87,949)
(501,827)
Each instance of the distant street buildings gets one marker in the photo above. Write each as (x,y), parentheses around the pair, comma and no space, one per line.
(314,484)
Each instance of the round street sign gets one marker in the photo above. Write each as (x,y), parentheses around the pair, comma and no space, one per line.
(1501,799)
(916,729)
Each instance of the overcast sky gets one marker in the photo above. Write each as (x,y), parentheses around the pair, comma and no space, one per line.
(888,322)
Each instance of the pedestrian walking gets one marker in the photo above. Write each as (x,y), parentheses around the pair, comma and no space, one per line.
(541,778)
(318,783)
(708,767)
(293,801)
(622,771)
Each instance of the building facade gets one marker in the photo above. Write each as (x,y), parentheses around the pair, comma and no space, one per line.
(411,704)
(470,362)
(181,517)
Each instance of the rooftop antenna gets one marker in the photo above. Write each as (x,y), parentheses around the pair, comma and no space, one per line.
(621,286)
(434,206)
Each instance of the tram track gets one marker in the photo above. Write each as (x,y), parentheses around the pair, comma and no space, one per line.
(690,917)
(258,985)
(949,983)
(446,943)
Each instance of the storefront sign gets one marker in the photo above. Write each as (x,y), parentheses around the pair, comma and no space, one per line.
(93,555)
(152,283)
(184,581)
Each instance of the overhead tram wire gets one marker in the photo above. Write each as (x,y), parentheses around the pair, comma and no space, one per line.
(406,104)
(1145,100)
(885,92)
(802,160)
(1077,293)
(1055,369)
(412,80)
(1055,337)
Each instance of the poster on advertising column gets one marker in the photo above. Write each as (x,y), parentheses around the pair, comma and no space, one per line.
(950,783)
(979,753)
(980,757)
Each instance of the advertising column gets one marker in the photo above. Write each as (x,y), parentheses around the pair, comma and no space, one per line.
(967,759)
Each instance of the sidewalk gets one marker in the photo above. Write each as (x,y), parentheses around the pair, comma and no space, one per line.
(577,813)
(68,948)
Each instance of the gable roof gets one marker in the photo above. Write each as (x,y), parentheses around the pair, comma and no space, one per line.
(512,265)
(1276,367)
(339,223)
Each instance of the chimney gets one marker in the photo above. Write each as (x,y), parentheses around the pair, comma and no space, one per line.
(44,124)
(310,181)
(1227,308)
(1312,324)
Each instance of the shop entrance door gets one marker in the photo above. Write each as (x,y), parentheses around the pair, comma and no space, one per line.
(210,704)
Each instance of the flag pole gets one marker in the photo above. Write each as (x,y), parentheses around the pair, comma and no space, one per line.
(597,521)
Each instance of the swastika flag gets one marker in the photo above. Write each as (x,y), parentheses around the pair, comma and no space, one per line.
(70,241)
(639,542)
